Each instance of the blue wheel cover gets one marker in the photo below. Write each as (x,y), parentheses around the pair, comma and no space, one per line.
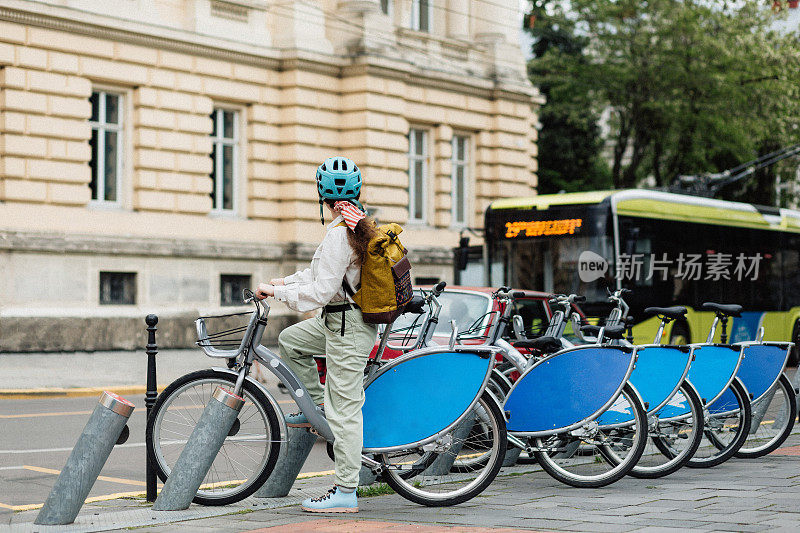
(566,388)
(712,370)
(420,397)
(659,370)
(760,367)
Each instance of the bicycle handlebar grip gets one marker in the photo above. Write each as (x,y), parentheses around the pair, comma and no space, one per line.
(518,294)
(625,291)
(577,299)
(439,288)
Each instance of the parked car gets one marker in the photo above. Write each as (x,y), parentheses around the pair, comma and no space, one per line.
(474,311)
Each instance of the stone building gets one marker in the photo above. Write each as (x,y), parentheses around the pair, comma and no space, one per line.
(157,155)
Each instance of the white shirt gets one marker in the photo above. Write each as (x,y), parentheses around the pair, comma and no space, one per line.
(321,284)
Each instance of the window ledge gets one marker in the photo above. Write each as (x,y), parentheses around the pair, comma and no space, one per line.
(100,205)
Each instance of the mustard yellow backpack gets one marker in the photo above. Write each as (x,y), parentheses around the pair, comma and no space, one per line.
(385,277)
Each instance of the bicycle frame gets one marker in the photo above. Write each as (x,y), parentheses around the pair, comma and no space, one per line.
(251,350)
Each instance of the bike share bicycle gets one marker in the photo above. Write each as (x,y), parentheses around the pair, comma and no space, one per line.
(772,396)
(553,408)
(415,416)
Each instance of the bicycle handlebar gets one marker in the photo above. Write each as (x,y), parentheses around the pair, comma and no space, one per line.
(438,288)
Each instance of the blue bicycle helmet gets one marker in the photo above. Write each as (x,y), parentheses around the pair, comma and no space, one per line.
(338,178)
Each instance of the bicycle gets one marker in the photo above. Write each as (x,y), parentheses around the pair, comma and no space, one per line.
(559,421)
(774,400)
(407,434)
(727,402)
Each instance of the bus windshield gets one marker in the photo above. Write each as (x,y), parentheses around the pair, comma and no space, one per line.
(570,258)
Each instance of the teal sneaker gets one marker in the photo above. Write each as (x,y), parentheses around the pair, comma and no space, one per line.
(335,501)
(299,420)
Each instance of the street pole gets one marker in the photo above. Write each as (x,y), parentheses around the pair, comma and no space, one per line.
(150,397)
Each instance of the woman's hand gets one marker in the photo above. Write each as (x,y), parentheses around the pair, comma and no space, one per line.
(277,281)
(263,290)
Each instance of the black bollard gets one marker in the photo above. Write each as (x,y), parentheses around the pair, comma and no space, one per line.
(150,398)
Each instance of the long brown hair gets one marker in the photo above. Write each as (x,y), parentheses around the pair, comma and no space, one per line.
(359,237)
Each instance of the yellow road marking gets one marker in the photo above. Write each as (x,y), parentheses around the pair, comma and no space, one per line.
(105,497)
(102,478)
(26,394)
(36,415)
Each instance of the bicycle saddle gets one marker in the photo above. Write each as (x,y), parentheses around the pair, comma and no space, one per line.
(733,310)
(543,344)
(611,332)
(674,312)
(416,305)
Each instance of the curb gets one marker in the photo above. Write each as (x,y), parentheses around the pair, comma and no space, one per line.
(29,394)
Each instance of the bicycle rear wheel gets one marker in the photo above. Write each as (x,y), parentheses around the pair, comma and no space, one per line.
(775,421)
(413,475)
(727,421)
(673,441)
(248,454)
(580,458)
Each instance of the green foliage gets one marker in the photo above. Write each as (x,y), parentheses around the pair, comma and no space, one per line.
(569,142)
(379,489)
(689,86)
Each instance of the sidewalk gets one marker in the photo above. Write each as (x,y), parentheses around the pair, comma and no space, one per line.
(741,495)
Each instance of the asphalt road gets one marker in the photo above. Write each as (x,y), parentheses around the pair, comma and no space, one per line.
(37,435)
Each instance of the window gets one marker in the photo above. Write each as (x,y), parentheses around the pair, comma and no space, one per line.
(421,15)
(117,288)
(230,288)
(223,156)
(459,178)
(106,144)
(417,174)
(386,6)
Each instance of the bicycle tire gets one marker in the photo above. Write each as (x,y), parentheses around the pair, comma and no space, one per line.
(453,487)
(753,446)
(671,431)
(716,426)
(182,402)
(548,458)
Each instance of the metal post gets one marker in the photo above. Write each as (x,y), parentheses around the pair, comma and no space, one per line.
(150,398)
(200,451)
(299,443)
(86,460)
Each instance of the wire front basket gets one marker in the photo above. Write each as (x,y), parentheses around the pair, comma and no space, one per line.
(224,332)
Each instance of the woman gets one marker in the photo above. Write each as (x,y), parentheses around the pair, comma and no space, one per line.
(338,331)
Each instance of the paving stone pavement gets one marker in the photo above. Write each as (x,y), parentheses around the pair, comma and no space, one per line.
(740,495)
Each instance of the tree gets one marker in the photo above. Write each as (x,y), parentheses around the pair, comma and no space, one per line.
(691,86)
(570,142)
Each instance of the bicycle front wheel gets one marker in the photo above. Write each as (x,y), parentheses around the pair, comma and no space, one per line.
(775,412)
(425,475)
(249,452)
(727,421)
(594,456)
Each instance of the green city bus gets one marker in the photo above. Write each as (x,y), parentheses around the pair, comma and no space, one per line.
(669,249)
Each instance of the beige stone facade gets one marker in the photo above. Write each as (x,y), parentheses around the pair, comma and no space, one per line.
(302,80)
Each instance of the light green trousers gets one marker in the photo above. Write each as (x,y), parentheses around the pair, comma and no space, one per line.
(343,395)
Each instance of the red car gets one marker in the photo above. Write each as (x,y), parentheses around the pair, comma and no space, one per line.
(474,311)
